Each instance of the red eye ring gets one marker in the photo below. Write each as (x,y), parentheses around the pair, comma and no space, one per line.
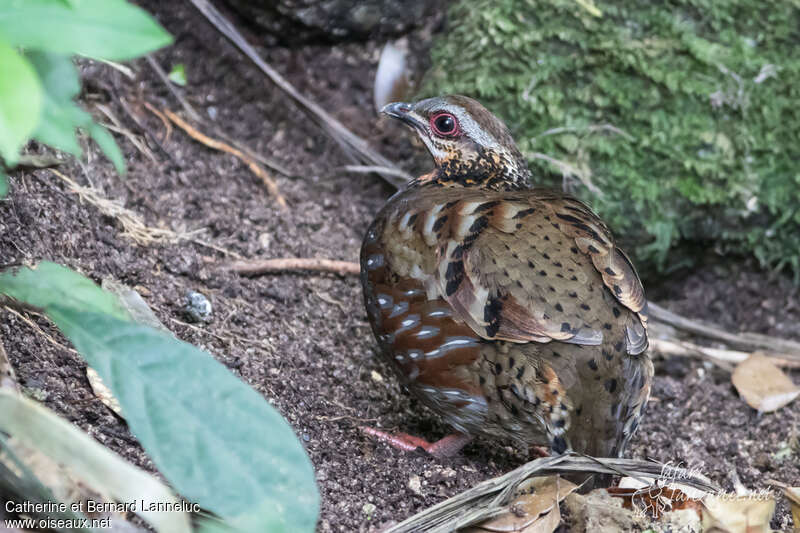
(445,125)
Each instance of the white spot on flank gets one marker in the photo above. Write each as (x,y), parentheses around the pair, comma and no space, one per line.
(427,332)
(374,261)
(403,224)
(508,210)
(408,323)
(467,208)
(427,229)
(463,226)
(384,301)
(477,305)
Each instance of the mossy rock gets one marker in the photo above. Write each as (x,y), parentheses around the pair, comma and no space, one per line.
(678,122)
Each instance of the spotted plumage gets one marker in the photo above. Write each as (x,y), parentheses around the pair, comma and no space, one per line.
(508,310)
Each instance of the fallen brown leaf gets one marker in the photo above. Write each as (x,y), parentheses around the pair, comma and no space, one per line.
(763,385)
(533,510)
(728,513)
(655,500)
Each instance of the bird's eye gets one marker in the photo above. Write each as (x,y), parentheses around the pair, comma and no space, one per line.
(444,124)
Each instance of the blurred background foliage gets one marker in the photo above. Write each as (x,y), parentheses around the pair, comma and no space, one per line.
(678,121)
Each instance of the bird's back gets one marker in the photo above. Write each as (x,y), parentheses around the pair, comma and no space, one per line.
(510,313)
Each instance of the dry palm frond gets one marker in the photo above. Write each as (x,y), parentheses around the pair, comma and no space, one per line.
(490,497)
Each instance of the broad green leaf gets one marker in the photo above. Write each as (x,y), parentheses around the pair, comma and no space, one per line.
(61,115)
(108,29)
(51,284)
(101,469)
(3,185)
(216,440)
(20,102)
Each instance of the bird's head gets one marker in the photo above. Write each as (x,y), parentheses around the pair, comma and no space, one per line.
(469,145)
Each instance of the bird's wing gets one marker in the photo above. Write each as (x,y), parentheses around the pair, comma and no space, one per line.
(529,266)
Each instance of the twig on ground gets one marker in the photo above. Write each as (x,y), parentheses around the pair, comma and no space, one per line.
(378,170)
(229,339)
(725,359)
(325,418)
(113,90)
(254,167)
(213,246)
(124,69)
(142,126)
(263,266)
(670,348)
(277,167)
(49,338)
(117,127)
(489,497)
(163,118)
(269,163)
(132,224)
(353,145)
(782,348)
(178,96)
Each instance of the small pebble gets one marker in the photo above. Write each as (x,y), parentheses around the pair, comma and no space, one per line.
(368,509)
(763,462)
(197,307)
(415,484)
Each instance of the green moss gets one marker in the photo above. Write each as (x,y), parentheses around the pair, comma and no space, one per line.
(684,115)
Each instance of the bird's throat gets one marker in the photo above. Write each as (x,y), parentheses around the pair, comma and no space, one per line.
(486,170)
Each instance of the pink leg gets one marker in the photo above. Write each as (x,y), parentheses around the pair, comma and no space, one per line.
(444,447)
(538,451)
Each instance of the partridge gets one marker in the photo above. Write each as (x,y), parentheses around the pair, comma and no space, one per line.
(507,309)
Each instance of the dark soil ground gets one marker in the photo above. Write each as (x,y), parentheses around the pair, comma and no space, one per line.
(302,339)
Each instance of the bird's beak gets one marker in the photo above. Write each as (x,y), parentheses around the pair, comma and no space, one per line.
(403,111)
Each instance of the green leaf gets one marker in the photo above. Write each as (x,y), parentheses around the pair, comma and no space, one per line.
(108,29)
(3,185)
(178,74)
(20,102)
(216,440)
(61,115)
(50,284)
(108,145)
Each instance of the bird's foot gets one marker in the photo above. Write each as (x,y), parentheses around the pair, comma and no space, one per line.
(444,447)
(538,452)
